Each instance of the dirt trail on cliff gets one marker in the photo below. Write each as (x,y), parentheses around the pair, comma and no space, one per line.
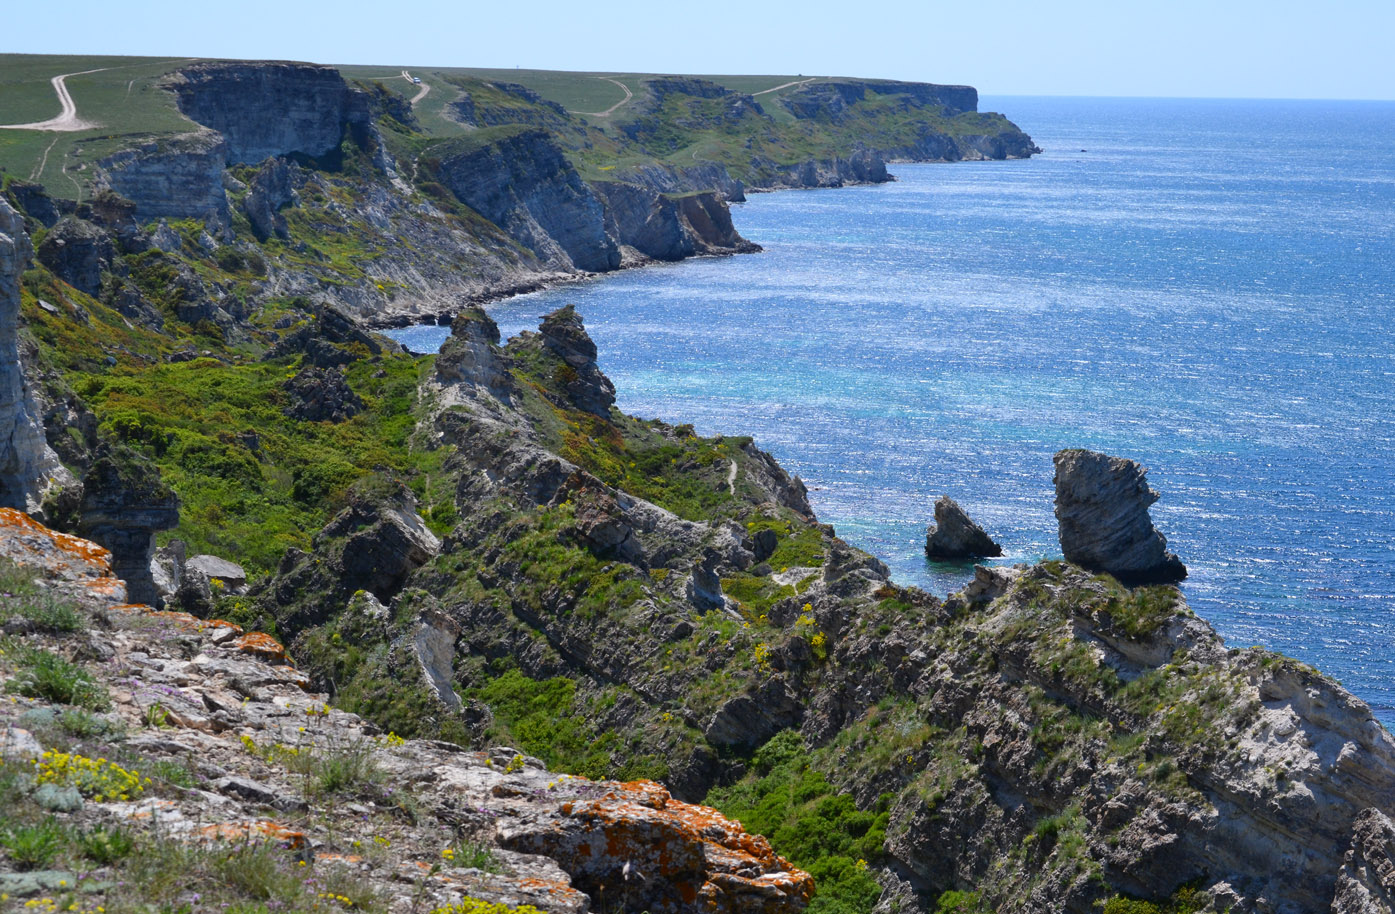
(67,121)
(611,110)
(797,82)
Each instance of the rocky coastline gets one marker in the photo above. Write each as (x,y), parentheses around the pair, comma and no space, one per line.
(315,621)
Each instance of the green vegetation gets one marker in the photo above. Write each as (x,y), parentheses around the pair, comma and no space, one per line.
(1186,900)
(46,675)
(252,481)
(810,823)
(123,98)
(20,598)
(541,717)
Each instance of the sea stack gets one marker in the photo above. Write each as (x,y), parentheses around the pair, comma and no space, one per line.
(954,536)
(1102,511)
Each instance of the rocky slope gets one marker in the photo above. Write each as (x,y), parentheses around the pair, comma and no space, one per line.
(478,550)
(197,767)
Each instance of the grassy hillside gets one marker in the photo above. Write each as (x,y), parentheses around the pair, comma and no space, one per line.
(603,126)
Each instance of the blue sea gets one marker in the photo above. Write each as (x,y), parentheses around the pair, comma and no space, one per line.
(1205,286)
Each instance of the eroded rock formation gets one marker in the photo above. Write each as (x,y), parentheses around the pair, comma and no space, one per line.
(1102,509)
(562,333)
(954,536)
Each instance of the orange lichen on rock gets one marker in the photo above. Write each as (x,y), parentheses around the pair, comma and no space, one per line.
(251,830)
(29,543)
(262,646)
(666,855)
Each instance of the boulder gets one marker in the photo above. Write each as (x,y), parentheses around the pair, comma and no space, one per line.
(954,536)
(1102,511)
(230,574)
(634,843)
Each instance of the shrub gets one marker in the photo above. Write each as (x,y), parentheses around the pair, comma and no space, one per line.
(46,675)
(32,847)
(105,845)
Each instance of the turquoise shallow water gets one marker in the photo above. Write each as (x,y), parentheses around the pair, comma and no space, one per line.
(1205,286)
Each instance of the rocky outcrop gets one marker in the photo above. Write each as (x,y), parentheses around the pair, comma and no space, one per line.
(321,395)
(1102,511)
(124,504)
(229,575)
(956,99)
(828,101)
(179,177)
(1366,884)
(662,227)
(272,188)
(328,338)
(662,855)
(523,183)
(28,466)
(864,166)
(313,107)
(563,334)
(372,545)
(955,537)
(675,179)
(78,252)
(471,355)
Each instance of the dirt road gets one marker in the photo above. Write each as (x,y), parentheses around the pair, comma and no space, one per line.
(67,121)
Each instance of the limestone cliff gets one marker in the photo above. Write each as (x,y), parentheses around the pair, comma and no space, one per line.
(268,109)
(175,178)
(662,227)
(522,182)
(28,466)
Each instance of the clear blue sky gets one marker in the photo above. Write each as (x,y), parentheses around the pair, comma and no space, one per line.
(1226,48)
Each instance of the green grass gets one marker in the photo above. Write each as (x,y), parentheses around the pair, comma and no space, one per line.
(127,101)
(123,100)
(252,481)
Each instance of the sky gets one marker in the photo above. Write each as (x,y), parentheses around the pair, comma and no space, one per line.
(1180,48)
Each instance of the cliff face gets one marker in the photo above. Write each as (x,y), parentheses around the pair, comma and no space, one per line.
(523,183)
(176,178)
(312,105)
(27,465)
(662,227)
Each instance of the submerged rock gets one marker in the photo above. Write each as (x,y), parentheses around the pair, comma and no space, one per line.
(1102,509)
(954,535)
